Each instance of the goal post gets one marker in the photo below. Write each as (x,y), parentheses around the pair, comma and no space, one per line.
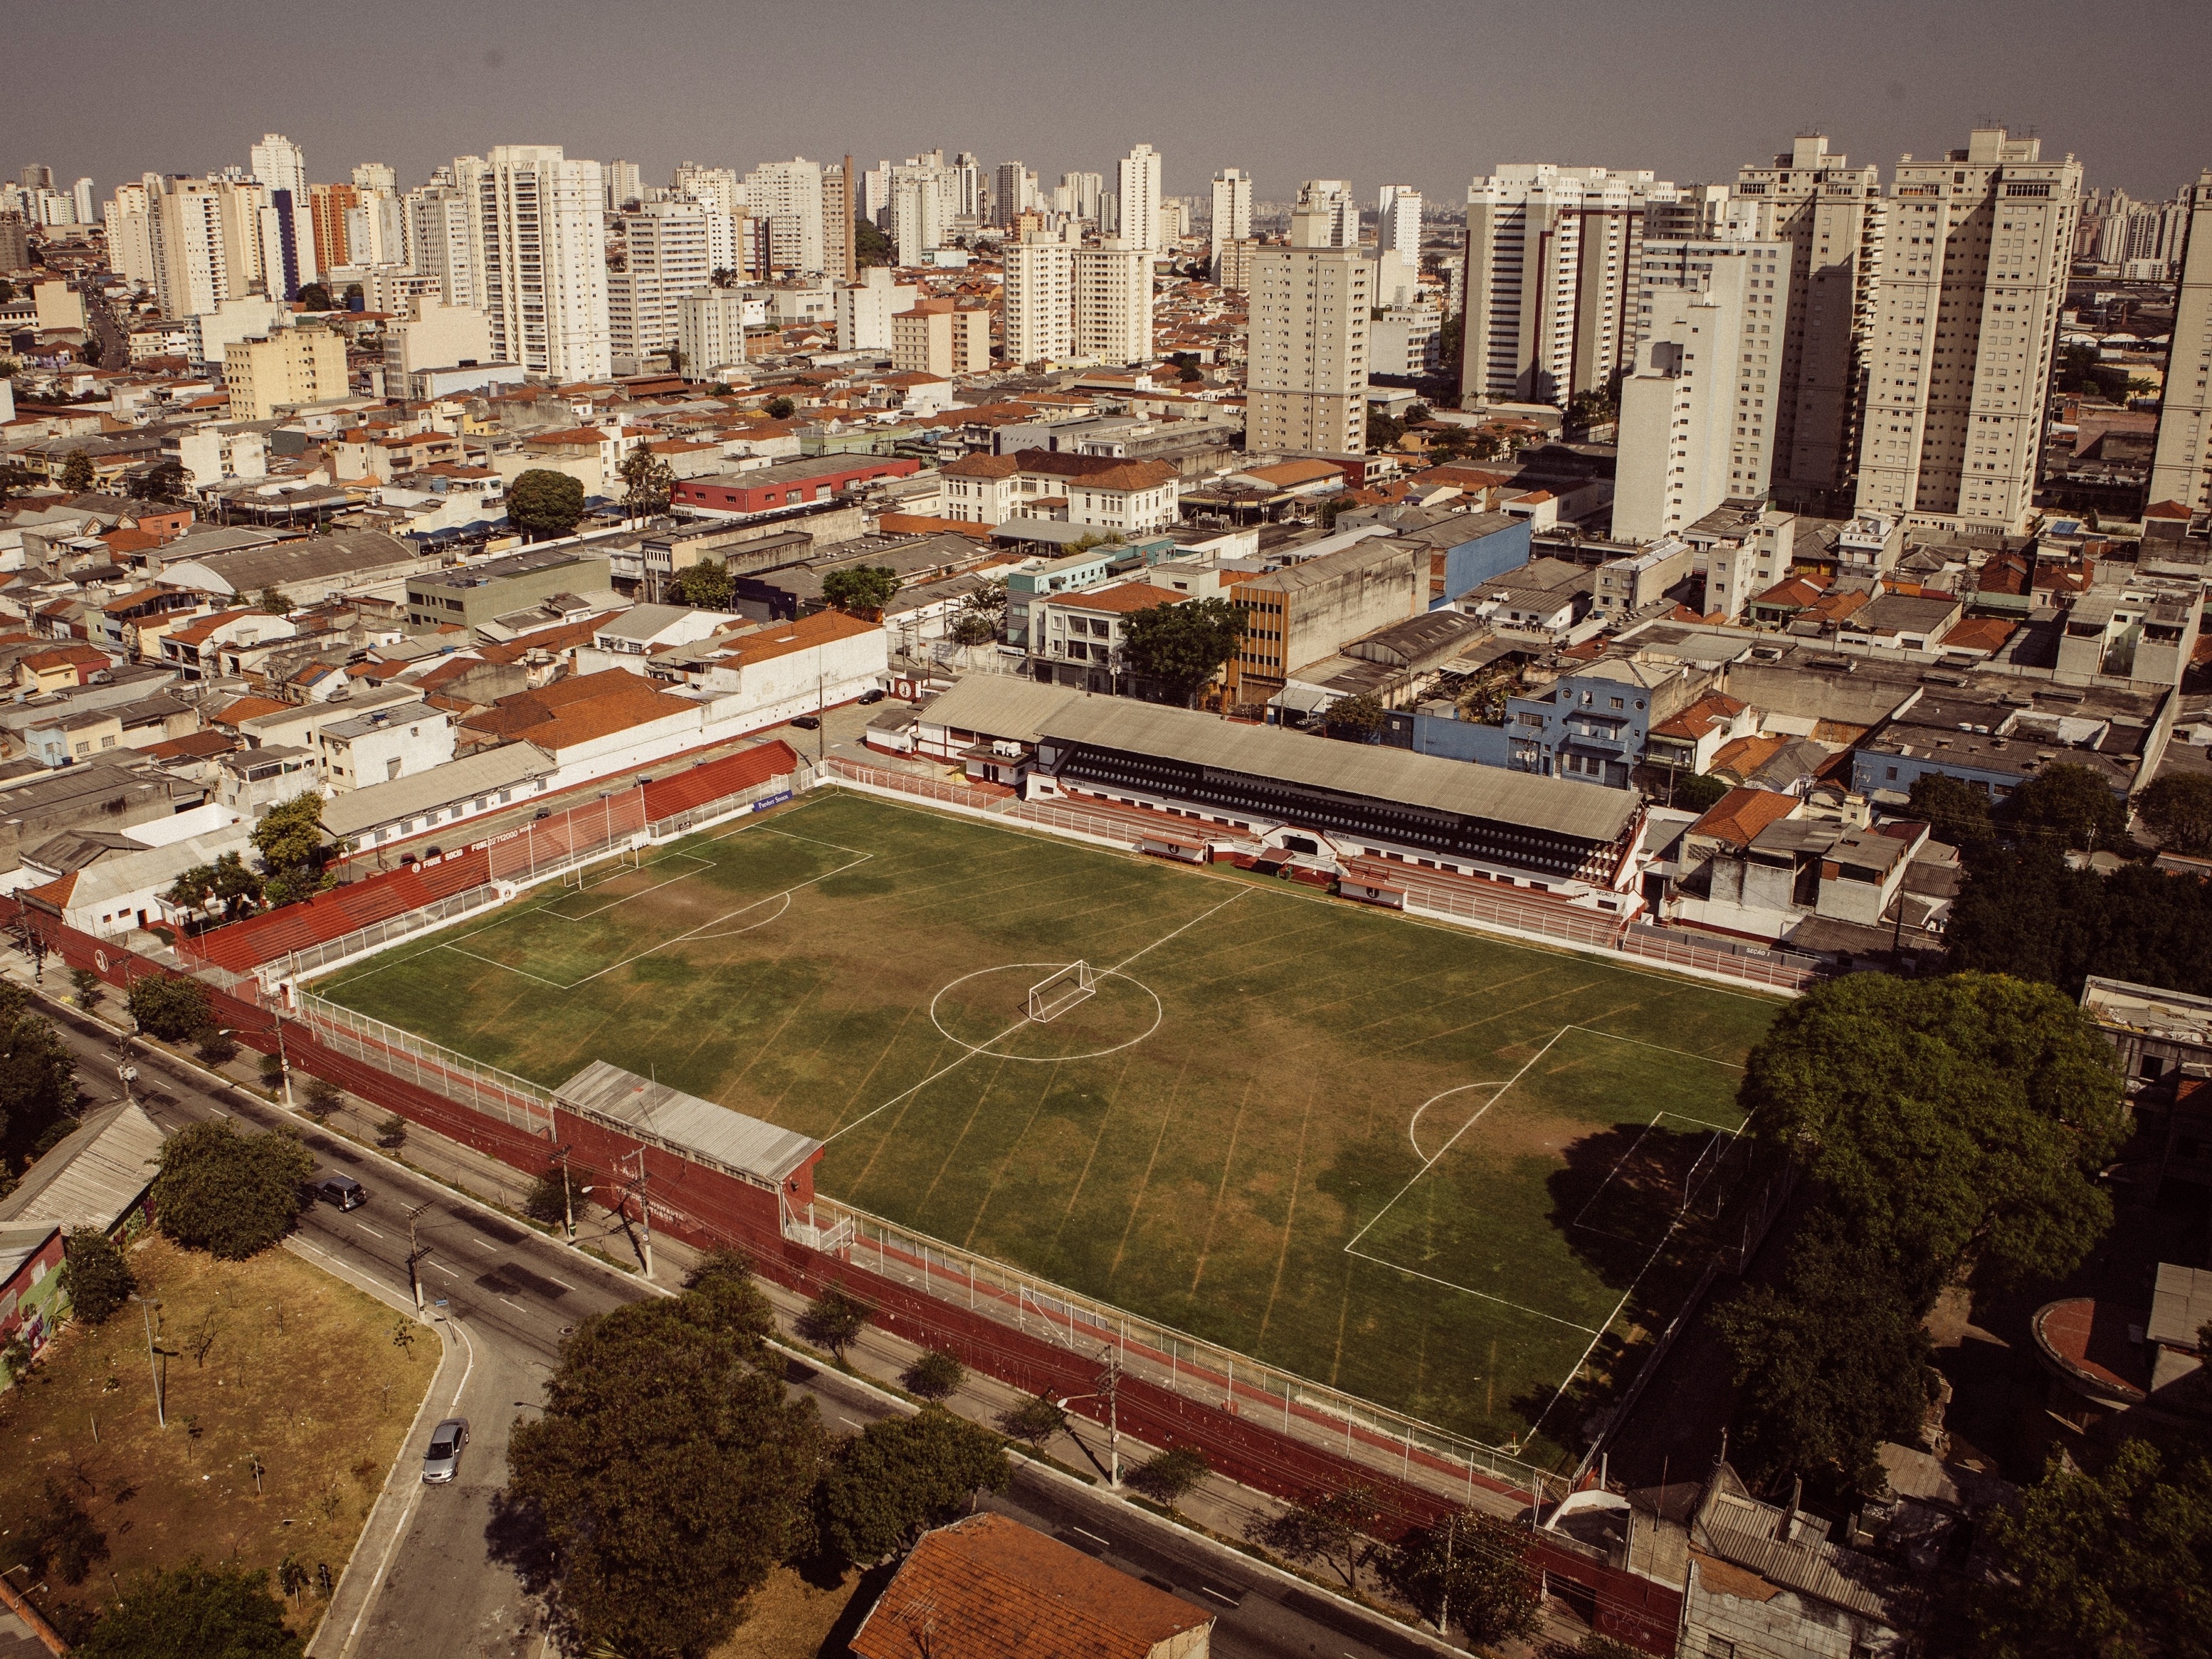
(1054,995)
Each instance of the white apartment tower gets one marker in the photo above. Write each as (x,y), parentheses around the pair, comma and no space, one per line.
(543,261)
(376,175)
(1306,375)
(1698,406)
(624,185)
(1832,215)
(788,195)
(1399,229)
(1551,275)
(1111,287)
(1332,213)
(1138,192)
(1232,213)
(438,240)
(1973,274)
(1040,300)
(129,219)
(279,163)
(667,259)
(2181,465)
(1013,192)
(192,267)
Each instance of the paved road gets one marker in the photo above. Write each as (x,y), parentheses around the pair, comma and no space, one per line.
(510,1296)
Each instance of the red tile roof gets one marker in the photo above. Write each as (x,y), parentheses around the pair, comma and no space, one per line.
(1129,596)
(1741,814)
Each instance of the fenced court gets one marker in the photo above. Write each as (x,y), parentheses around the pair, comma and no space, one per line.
(1446,1173)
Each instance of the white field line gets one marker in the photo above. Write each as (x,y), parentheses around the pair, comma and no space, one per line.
(1413,1122)
(703,863)
(1451,1284)
(1615,1037)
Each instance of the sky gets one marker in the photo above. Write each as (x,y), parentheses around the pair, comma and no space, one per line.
(1429,93)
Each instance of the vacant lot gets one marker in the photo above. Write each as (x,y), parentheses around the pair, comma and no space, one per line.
(1263,1078)
(270,1363)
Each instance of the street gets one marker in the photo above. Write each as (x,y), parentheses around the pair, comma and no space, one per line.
(430,1583)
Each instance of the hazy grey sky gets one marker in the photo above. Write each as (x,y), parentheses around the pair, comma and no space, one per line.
(1423,92)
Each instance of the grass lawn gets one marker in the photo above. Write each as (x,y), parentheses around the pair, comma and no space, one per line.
(1260,1076)
(271,1358)
(791,1618)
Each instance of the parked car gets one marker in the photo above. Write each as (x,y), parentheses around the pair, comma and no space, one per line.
(873,694)
(443,1461)
(806,722)
(341,1190)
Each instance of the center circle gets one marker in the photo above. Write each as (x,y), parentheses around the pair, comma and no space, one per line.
(987,1012)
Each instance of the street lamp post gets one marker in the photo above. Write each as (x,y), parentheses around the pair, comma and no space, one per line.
(415,1254)
(1109,1392)
(146,1306)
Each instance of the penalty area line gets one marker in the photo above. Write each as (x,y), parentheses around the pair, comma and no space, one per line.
(1533,1313)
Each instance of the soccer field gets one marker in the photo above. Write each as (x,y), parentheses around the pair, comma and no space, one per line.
(1418,1163)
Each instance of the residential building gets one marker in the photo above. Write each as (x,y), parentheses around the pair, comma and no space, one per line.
(1138,190)
(666,260)
(1107,493)
(129,219)
(190,257)
(1111,291)
(438,241)
(788,195)
(1232,213)
(981,489)
(1833,218)
(1697,408)
(1627,585)
(943,338)
(1354,583)
(1686,213)
(1232,269)
(1591,725)
(786,484)
(866,308)
(471,595)
(1076,638)
(2181,466)
(402,740)
(1039,300)
(1551,263)
(541,252)
(710,330)
(327,207)
(1974,278)
(1747,546)
(438,335)
(1399,225)
(292,366)
(1307,370)
(1013,193)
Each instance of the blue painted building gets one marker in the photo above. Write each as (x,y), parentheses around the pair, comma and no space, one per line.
(1477,548)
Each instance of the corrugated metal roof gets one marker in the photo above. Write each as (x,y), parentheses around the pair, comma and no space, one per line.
(1581,810)
(658,1114)
(1000,706)
(94,1176)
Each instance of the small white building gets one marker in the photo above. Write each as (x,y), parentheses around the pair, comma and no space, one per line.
(384,745)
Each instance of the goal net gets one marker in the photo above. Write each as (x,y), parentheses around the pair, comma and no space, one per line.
(1053,996)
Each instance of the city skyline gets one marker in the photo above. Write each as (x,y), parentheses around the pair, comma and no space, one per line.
(603,86)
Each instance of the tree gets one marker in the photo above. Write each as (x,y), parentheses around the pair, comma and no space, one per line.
(1828,1366)
(543,504)
(215,1048)
(724,277)
(77,473)
(706,586)
(860,586)
(1357,718)
(1589,408)
(870,246)
(163,482)
(38,1076)
(781,408)
(89,986)
(289,839)
(173,1009)
(549,1197)
(934,1375)
(1697,792)
(355,296)
(273,602)
(323,1097)
(1383,431)
(1470,1570)
(1172,1475)
(1956,813)
(315,297)
(2177,810)
(226,883)
(651,481)
(1958,1122)
(391,1132)
(900,1476)
(972,627)
(834,1321)
(1033,1422)
(193,1611)
(2071,802)
(668,1470)
(98,1279)
(1337,1529)
(61,1538)
(2117,1564)
(1182,646)
(231,1195)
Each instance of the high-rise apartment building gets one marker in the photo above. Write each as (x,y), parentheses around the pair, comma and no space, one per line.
(1698,407)
(82,197)
(1013,192)
(192,264)
(719,188)
(1138,192)
(282,168)
(1112,293)
(129,217)
(327,207)
(1966,321)
(1832,215)
(925,201)
(1088,194)
(1306,374)
(710,329)
(1040,300)
(1332,211)
(1687,213)
(376,175)
(840,255)
(788,195)
(290,366)
(438,240)
(1399,223)
(1232,213)
(940,338)
(1551,275)
(625,187)
(279,163)
(666,259)
(541,259)
(2181,465)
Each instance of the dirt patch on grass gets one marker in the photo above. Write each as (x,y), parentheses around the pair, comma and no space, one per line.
(270,1362)
(791,1619)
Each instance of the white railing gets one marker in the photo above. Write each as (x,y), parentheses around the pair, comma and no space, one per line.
(315,958)
(722,808)
(1784,972)
(1526,917)
(1046,815)
(429,1065)
(906,783)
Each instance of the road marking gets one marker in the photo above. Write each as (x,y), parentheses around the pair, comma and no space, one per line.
(562,1283)
(847,1420)
(517,1306)
(1217,1595)
(440,1267)
(480,1245)
(1093,1537)
(370,1230)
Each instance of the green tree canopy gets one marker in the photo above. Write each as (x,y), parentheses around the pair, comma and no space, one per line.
(226,883)
(1182,646)
(2073,803)
(1956,813)
(273,601)
(834,1321)
(861,588)
(162,481)
(229,1194)
(543,504)
(77,473)
(2177,810)
(289,839)
(902,1475)
(870,246)
(668,1469)
(1470,1570)
(193,1611)
(1340,1528)
(650,482)
(96,1274)
(972,627)
(37,1075)
(933,1375)
(175,1010)
(2023,912)
(706,586)
(1696,791)
(1170,1477)
(315,297)
(781,408)
(1957,1121)
(1358,717)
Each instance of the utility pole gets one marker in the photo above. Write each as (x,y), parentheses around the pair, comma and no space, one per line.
(1113,1392)
(567,1196)
(822,728)
(415,1252)
(1443,1610)
(644,1209)
(283,1065)
(146,1306)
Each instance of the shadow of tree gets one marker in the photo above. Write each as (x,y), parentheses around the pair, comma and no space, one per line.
(516,1537)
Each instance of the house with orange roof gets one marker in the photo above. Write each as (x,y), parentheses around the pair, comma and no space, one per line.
(62,668)
(1104,492)
(981,489)
(1077,639)
(1688,741)
(751,678)
(195,648)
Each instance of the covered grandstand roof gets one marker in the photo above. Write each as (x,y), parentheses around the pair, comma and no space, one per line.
(655,1112)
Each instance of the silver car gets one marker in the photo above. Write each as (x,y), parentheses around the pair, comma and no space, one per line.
(443,1461)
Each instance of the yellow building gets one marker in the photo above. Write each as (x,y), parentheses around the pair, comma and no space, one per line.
(291,366)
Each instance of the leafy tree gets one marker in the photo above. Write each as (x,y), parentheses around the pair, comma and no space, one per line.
(781,408)
(543,504)
(1356,718)
(1172,1475)
(989,598)
(191,1612)
(860,586)
(2117,1564)
(1956,1121)
(1470,1570)
(669,1471)
(549,1197)
(231,1195)
(323,1097)
(226,883)
(2073,803)
(13,477)
(1339,1529)
(273,601)
(1182,646)
(215,1048)
(355,294)
(724,277)
(96,1275)
(902,1475)
(934,1375)
(1956,813)
(89,986)
(163,482)
(77,473)
(1383,431)
(391,1132)
(175,1010)
(289,839)
(870,246)
(1699,791)
(2177,810)
(834,1321)
(1589,408)
(60,1538)
(972,627)
(37,1075)
(706,586)
(1033,1422)
(315,297)
(651,481)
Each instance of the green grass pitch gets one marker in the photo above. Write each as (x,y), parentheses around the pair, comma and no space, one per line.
(1412,1162)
